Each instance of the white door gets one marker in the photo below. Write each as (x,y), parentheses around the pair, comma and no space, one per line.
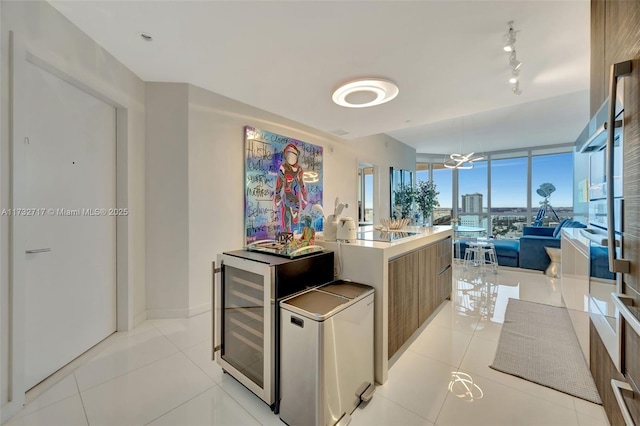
(70,256)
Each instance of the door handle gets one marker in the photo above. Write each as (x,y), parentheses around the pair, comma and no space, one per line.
(40,250)
(615,265)
(618,387)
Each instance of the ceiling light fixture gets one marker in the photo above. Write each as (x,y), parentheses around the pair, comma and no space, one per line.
(514,77)
(365,93)
(461,161)
(514,63)
(510,39)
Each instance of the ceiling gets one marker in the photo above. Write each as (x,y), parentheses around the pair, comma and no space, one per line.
(287,57)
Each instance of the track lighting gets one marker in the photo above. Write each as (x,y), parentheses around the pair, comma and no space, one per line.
(510,39)
(514,77)
(516,89)
(514,63)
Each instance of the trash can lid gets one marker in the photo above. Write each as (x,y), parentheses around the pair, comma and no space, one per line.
(346,288)
(315,304)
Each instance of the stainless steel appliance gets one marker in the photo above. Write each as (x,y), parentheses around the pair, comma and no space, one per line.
(247,318)
(327,353)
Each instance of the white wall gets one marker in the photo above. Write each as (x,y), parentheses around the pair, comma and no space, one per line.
(167,201)
(51,37)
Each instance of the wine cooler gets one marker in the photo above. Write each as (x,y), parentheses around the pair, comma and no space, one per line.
(247,318)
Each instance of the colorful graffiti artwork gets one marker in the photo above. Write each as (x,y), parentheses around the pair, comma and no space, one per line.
(283,180)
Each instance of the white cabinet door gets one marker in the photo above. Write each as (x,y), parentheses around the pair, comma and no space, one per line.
(70,276)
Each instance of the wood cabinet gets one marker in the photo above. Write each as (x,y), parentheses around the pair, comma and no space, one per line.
(403,297)
(418,283)
(598,92)
(603,370)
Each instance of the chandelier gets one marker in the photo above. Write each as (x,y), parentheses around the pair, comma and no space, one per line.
(462,161)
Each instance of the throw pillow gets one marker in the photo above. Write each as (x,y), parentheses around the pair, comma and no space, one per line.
(556,232)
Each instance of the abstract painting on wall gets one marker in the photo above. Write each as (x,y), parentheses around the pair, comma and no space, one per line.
(283,182)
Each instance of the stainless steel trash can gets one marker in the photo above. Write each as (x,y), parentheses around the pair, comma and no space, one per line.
(327,353)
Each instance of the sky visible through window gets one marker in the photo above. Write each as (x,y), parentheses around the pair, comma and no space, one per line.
(508,181)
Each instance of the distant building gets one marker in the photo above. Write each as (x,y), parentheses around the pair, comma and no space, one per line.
(469,220)
(472,203)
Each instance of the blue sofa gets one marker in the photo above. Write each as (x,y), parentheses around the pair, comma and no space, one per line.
(532,243)
(535,238)
(600,263)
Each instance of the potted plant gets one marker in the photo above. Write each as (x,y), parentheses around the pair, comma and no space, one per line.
(403,200)
(426,198)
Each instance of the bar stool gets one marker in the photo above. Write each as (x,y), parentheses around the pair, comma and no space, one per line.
(482,254)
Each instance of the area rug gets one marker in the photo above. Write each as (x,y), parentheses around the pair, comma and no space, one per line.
(537,343)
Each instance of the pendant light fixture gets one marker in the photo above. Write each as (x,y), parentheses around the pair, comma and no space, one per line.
(461,161)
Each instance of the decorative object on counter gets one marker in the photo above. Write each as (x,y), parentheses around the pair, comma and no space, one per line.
(290,251)
(283,183)
(426,198)
(284,237)
(347,230)
(308,233)
(331,222)
(403,196)
(388,223)
(454,222)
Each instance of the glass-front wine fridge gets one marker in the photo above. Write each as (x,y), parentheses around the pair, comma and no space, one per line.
(246,318)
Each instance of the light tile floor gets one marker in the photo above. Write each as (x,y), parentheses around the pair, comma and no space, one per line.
(160,373)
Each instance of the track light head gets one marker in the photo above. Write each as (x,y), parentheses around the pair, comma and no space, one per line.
(516,89)
(514,63)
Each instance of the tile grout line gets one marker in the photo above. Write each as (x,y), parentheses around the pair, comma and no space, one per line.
(84,409)
(131,371)
(399,405)
(182,403)
(242,406)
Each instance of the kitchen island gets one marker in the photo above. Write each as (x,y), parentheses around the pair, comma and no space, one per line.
(411,275)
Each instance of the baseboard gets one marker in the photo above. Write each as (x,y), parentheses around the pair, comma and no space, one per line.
(12,408)
(197,310)
(177,313)
(167,313)
(139,319)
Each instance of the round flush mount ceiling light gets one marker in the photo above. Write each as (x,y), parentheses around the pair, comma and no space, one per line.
(365,93)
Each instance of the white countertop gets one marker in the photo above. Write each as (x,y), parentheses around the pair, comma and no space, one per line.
(424,235)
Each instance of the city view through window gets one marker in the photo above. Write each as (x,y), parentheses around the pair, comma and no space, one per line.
(509,210)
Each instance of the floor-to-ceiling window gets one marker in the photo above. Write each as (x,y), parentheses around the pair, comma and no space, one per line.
(509,212)
(442,178)
(500,193)
(422,172)
(552,187)
(472,195)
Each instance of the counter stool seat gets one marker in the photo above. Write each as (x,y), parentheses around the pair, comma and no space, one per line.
(482,254)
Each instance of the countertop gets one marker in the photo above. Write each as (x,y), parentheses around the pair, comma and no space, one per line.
(424,235)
